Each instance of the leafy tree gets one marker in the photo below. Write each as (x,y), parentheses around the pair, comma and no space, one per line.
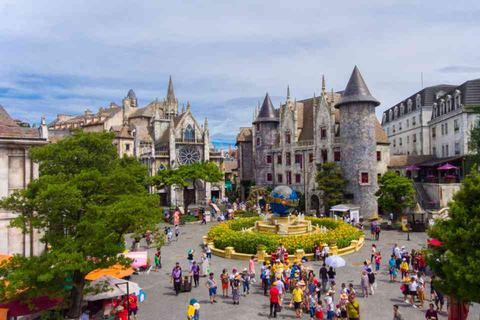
(456,262)
(84,203)
(184,176)
(331,182)
(395,193)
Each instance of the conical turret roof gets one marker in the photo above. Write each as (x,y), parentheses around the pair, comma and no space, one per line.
(356,91)
(267,112)
(170,93)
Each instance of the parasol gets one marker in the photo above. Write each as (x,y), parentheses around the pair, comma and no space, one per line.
(447,166)
(335,262)
(115,288)
(435,242)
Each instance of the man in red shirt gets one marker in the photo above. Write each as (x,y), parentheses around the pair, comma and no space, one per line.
(133,300)
(274,294)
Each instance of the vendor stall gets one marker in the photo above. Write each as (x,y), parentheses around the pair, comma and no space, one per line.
(347,210)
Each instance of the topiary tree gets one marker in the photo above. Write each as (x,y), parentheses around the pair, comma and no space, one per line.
(331,182)
(395,193)
(456,261)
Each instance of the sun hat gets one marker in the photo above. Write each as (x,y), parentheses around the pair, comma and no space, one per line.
(309,268)
(279,277)
(274,283)
(197,306)
(237,276)
(245,270)
(190,251)
(344,296)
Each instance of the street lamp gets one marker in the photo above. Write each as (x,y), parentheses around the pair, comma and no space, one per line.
(128,296)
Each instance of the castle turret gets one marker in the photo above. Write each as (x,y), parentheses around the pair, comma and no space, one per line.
(264,133)
(358,148)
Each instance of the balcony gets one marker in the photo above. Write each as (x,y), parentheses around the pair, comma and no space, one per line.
(305,143)
(189,141)
(162,153)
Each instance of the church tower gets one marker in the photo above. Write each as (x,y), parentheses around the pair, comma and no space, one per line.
(264,132)
(171,103)
(358,147)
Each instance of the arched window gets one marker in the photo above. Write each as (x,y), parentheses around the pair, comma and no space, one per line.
(396,112)
(189,133)
(442,106)
(434,114)
(458,99)
(449,103)
(409,105)
(160,168)
(390,115)
(418,101)
(402,109)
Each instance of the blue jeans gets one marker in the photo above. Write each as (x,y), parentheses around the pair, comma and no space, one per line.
(330,314)
(246,287)
(377,266)
(312,312)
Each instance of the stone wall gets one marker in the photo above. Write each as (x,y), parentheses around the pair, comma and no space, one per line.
(441,193)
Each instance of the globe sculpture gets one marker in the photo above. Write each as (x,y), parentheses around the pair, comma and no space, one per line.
(283,200)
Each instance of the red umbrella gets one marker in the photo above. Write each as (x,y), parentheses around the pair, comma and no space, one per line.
(20,308)
(435,242)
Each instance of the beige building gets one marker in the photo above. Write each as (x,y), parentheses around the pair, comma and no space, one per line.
(16,171)
(159,134)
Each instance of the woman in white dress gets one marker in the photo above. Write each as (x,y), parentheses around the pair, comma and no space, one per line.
(205,265)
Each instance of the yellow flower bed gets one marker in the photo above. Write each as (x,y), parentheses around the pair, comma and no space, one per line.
(229,234)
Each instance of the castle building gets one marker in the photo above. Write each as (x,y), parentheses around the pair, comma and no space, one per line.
(16,172)
(159,135)
(284,146)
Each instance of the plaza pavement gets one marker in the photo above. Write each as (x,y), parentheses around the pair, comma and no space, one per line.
(161,303)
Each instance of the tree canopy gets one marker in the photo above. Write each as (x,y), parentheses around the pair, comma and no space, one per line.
(83,204)
(395,193)
(456,262)
(331,182)
(185,175)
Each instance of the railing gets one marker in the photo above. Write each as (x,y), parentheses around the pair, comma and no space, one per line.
(162,153)
(305,143)
(189,140)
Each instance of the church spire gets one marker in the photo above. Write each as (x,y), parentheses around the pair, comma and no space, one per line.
(170,93)
(323,84)
(288,93)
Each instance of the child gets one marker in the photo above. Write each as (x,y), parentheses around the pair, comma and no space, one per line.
(319,314)
(378,258)
(338,312)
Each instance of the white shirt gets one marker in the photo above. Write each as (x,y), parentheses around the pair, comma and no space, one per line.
(413,286)
(329,302)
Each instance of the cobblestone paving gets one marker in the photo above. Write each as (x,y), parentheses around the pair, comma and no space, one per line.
(161,302)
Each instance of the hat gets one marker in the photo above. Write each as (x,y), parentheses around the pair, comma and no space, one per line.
(404,259)
(268,261)
(193,301)
(234,270)
(278,260)
(279,277)
(190,251)
(301,283)
(197,306)
(344,296)
(309,268)
(237,276)
(403,247)
(324,245)
(245,270)
(274,283)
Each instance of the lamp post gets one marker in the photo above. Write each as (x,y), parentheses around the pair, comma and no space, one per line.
(128,296)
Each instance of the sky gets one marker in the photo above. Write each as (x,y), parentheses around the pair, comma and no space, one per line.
(61,56)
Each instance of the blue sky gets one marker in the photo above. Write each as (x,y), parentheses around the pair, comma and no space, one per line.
(69,56)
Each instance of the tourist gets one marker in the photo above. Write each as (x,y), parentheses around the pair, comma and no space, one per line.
(132,306)
(405,287)
(372,231)
(329,305)
(439,300)
(205,264)
(319,313)
(204,219)
(377,232)
(177,232)
(236,289)
(378,259)
(281,291)
(317,251)
(353,308)
(224,279)
(364,283)
(373,251)
(422,265)
(372,284)
(208,251)
(432,288)
(169,235)
(431,313)
(324,277)
(297,299)
(158,261)
(191,309)
(211,284)
(331,277)
(266,279)
(350,289)
(396,314)
(392,268)
(190,257)
(245,282)
(177,278)
(420,289)
(251,268)
(274,300)
(404,267)
(281,251)
(195,273)
(412,288)
(325,252)
(312,305)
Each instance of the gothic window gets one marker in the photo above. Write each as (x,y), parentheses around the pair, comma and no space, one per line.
(288,137)
(258,126)
(289,177)
(160,168)
(323,133)
(188,155)
(279,159)
(324,155)
(288,160)
(189,133)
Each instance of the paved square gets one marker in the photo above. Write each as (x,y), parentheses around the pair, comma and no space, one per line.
(161,302)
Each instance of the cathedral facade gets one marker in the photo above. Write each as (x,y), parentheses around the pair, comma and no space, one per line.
(159,134)
(288,144)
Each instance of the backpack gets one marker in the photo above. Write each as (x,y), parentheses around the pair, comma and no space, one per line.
(371,278)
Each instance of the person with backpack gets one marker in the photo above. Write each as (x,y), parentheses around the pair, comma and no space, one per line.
(266,279)
(371,282)
(176,278)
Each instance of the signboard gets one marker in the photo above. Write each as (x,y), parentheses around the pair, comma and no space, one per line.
(404,223)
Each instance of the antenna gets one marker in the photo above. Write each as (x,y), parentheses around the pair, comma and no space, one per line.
(421,79)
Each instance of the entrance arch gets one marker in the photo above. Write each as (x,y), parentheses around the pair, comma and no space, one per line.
(315,204)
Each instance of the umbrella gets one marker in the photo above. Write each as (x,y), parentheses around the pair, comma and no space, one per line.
(21,308)
(335,261)
(375,223)
(412,168)
(115,288)
(139,258)
(447,166)
(116,271)
(435,242)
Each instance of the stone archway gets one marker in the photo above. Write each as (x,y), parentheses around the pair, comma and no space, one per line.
(315,204)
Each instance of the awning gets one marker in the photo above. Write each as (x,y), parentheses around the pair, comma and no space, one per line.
(115,288)
(116,271)
(139,258)
(436,162)
(344,207)
(20,308)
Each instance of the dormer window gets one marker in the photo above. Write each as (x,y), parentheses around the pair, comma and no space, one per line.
(418,100)
(439,94)
(449,103)
(396,112)
(390,115)
(409,105)
(442,107)
(458,99)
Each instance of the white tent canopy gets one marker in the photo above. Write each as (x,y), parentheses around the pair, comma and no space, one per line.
(346,209)
(116,288)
